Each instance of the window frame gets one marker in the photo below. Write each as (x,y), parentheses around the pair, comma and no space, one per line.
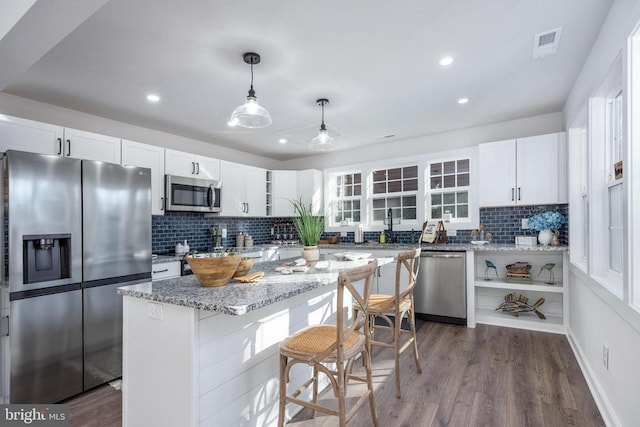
(429,192)
(399,194)
(334,199)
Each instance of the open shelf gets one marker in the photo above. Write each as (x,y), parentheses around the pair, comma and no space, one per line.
(530,321)
(535,286)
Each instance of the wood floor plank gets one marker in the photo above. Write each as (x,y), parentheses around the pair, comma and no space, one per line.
(486,376)
(488,410)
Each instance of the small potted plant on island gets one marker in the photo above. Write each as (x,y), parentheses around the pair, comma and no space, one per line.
(309,227)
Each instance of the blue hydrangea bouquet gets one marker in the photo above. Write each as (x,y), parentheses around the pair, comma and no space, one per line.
(547,220)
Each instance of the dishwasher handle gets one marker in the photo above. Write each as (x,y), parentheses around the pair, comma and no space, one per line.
(430,255)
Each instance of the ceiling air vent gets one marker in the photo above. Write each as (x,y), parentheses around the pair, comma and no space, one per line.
(545,44)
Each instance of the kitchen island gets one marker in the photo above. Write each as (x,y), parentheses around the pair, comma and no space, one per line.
(196,356)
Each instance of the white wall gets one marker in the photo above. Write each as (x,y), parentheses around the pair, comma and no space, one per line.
(459,138)
(34,110)
(596,318)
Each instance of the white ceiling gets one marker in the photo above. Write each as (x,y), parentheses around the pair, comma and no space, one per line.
(376,61)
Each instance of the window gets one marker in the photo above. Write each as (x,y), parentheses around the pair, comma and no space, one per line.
(579,190)
(615,141)
(395,189)
(449,189)
(347,197)
(603,202)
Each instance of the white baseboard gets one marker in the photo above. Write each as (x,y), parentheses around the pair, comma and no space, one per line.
(604,406)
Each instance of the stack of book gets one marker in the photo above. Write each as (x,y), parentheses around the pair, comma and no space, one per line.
(519,272)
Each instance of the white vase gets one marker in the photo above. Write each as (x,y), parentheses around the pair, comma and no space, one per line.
(310,253)
(545,236)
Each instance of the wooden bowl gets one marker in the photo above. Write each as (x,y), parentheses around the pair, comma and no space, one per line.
(214,271)
(244,267)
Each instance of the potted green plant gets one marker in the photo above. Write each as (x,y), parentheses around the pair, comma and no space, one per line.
(309,227)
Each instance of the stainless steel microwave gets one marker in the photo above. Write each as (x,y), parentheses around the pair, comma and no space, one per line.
(192,194)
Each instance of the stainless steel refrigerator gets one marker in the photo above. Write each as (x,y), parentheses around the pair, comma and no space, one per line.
(74,231)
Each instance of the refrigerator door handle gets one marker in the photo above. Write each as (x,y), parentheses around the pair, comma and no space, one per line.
(5,326)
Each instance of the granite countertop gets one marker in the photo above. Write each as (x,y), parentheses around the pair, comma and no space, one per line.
(495,247)
(239,298)
(452,247)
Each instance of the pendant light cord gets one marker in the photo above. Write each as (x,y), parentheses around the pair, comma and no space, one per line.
(252,76)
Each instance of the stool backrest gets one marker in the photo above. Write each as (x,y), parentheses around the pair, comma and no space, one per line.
(346,280)
(409,262)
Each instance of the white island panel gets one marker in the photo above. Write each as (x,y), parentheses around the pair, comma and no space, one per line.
(159,366)
(238,385)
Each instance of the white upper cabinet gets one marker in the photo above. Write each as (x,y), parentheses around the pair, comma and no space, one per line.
(36,137)
(152,157)
(79,144)
(243,190)
(255,196)
(30,136)
(191,165)
(309,189)
(522,171)
(305,185)
(285,189)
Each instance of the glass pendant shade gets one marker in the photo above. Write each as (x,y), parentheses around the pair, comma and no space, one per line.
(250,115)
(322,142)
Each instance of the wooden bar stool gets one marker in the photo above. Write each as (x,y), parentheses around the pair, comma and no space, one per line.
(398,305)
(337,344)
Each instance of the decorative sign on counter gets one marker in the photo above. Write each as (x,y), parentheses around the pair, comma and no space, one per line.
(433,231)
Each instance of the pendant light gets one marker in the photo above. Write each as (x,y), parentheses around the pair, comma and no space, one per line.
(250,114)
(322,142)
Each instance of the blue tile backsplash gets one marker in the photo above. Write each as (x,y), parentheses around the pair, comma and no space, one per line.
(504,223)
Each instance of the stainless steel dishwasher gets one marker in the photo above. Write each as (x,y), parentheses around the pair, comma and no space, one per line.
(441,291)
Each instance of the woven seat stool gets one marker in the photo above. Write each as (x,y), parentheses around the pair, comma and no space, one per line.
(337,345)
(398,305)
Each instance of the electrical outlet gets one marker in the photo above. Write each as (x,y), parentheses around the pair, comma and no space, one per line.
(154,310)
(525,223)
(452,233)
(224,233)
(605,356)
(343,234)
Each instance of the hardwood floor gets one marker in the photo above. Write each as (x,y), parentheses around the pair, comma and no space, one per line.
(487,376)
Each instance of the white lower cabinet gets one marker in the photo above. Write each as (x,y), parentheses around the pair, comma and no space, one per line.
(165,270)
(486,292)
(386,276)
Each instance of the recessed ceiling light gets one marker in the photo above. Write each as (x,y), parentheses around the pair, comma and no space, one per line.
(447,60)
(463,100)
(153,98)
(282,141)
